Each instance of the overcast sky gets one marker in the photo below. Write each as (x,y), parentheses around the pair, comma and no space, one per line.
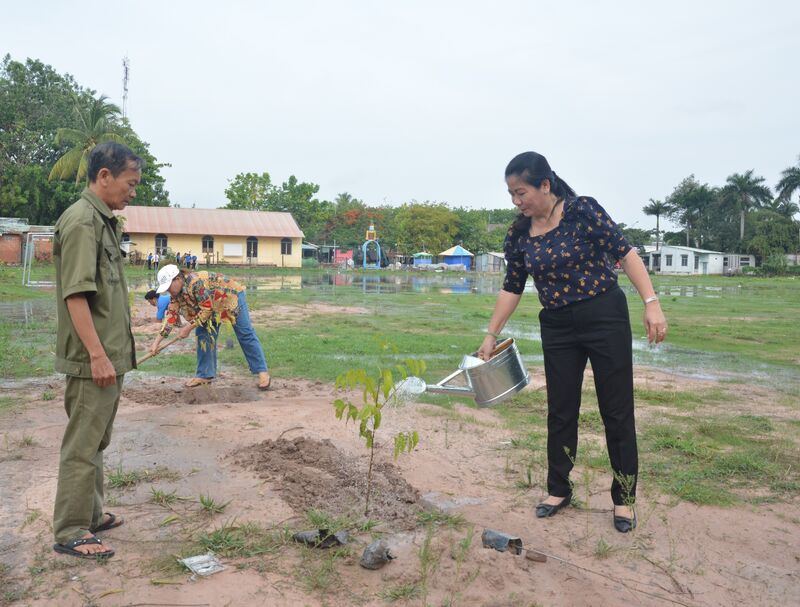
(429,100)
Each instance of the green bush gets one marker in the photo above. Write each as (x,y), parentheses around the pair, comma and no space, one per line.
(310,262)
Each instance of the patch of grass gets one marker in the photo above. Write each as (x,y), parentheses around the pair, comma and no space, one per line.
(242,540)
(318,571)
(721,460)
(602,549)
(8,403)
(591,421)
(319,519)
(27,440)
(48,395)
(122,479)
(162,498)
(444,519)
(212,506)
(401,592)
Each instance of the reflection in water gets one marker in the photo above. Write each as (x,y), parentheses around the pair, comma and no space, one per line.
(666,357)
(28,311)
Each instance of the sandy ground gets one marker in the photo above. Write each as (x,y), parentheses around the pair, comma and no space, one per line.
(274,455)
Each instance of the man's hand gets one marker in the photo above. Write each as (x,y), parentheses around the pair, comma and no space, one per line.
(184,332)
(103,373)
(154,347)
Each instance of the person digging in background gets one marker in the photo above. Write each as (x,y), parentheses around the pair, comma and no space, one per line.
(563,240)
(160,302)
(94,344)
(206,300)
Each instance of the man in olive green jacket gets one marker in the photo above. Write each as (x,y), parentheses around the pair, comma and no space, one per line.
(94,345)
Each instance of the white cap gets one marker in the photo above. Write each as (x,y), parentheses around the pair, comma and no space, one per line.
(165,277)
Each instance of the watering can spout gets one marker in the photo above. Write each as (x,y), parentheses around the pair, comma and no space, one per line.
(442,386)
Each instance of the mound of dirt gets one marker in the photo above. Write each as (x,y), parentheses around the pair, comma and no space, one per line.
(216,392)
(313,474)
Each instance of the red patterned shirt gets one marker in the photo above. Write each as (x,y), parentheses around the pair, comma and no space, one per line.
(206,297)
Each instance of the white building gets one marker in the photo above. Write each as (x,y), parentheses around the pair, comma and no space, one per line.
(674,259)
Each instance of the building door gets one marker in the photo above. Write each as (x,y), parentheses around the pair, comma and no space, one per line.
(705,267)
(252,249)
(656,262)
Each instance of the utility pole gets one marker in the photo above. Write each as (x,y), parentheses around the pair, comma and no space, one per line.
(126,69)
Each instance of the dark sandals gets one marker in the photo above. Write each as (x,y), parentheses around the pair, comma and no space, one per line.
(111,523)
(69,548)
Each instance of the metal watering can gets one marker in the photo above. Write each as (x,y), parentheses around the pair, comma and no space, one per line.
(489,382)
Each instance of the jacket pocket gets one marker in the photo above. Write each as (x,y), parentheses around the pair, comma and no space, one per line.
(110,262)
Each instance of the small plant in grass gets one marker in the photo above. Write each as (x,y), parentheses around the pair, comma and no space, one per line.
(211,505)
(377,390)
(162,498)
(27,440)
(435,517)
(401,592)
(120,478)
(48,395)
(603,549)
(428,561)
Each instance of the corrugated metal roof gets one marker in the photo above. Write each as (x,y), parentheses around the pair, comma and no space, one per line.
(214,222)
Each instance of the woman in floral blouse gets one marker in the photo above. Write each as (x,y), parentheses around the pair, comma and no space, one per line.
(565,242)
(206,300)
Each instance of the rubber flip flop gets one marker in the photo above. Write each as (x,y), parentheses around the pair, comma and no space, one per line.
(69,548)
(110,523)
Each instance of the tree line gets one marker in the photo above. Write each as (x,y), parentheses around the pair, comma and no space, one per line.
(48,125)
(744,215)
(406,229)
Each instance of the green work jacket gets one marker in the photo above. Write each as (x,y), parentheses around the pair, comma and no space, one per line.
(88,260)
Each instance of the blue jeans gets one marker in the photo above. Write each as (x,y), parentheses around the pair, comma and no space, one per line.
(248,340)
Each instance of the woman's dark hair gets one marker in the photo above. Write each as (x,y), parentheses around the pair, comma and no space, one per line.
(533,169)
(151,294)
(112,156)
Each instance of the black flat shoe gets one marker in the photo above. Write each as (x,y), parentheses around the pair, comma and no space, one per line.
(624,524)
(546,510)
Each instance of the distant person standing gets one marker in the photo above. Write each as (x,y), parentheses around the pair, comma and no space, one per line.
(156,260)
(188,260)
(150,261)
(178,259)
(94,344)
(194,262)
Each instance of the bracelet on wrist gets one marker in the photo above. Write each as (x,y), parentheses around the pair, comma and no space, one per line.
(493,334)
(651,299)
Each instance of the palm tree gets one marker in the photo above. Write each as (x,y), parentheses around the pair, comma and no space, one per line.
(784,207)
(96,124)
(745,192)
(657,208)
(790,182)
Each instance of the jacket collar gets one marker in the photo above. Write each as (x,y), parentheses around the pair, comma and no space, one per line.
(98,204)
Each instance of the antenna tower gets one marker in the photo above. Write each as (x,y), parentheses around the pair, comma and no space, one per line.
(126,69)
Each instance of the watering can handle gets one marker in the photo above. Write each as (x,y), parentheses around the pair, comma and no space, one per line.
(453,375)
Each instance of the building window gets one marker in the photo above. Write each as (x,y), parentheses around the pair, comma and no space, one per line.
(286,246)
(252,247)
(744,261)
(684,261)
(668,263)
(696,262)
(126,237)
(161,244)
(208,244)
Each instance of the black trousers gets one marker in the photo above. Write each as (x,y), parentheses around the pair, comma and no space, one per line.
(599,330)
